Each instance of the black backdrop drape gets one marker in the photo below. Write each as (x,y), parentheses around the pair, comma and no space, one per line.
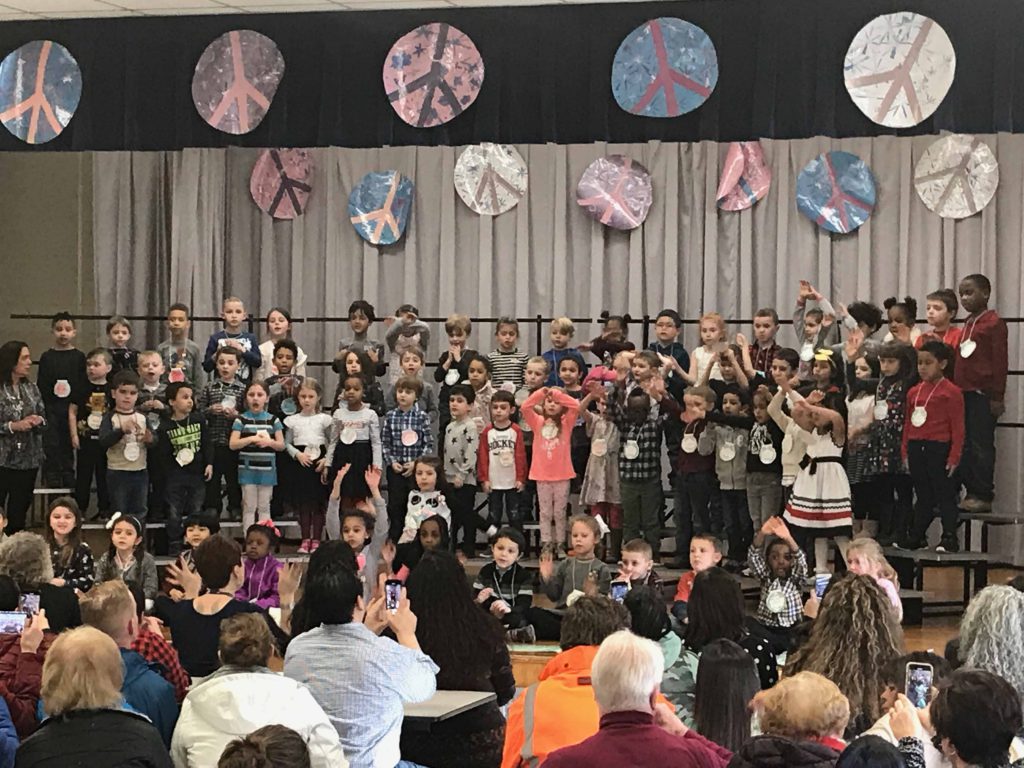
(547,74)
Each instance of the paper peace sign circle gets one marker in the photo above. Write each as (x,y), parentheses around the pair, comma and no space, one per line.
(899,68)
(745,176)
(236,79)
(664,68)
(491,178)
(379,206)
(836,191)
(432,75)
(52,74)
(616,191)
(282,181)
(957,176)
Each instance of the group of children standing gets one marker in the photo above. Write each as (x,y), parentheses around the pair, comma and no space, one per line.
(835,435)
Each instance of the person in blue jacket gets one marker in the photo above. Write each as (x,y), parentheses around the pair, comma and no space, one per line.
(8,737)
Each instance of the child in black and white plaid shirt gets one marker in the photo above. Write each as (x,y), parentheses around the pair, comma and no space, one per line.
(782,570)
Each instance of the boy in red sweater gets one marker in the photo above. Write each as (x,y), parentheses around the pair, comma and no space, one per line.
(933,440)
(980,371)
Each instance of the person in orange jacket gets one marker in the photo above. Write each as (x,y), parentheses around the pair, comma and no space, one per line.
(560,709)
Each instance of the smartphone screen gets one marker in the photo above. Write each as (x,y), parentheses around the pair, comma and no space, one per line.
(30,603)
(12,622)
(919,684)
(618,590)
(392,594)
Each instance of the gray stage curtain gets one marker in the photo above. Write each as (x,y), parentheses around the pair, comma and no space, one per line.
(188,227)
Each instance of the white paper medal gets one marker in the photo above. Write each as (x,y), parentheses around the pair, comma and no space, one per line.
(918,416)
(807,352)
(410,437)
(175,375)
(631,450)
(61,388)
(967,347)
(599,447)
(228,403)
(775,602)
(506,458)
(881,410)
(132,451)
(184,457)
(767,454)
(451,378)
(94,420)
(288,407)
(727,452)
(549,431)
(689,444)
(347,436)
(521,396)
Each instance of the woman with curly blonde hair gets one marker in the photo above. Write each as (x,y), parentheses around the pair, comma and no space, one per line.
(992,634)
(854,638)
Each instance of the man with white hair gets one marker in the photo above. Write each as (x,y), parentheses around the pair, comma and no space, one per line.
(635,730)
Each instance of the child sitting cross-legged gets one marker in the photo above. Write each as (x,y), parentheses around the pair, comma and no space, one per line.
(261,567)
(705,552)
(637,564)
(127,558)
(505,588)
(782,570)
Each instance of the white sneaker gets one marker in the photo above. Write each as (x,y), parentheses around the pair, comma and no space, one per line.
(491,531)
(602,525)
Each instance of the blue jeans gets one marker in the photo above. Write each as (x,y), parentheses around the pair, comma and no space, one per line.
(407,764)
(129,492)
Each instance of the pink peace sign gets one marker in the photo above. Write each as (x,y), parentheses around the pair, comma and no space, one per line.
(39,115)
(616,190)
(432,74)
(236,79)
(282,181)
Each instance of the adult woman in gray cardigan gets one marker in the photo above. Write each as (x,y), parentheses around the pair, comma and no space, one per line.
(21,433)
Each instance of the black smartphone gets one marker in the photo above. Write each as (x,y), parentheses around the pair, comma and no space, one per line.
(392,594)
(30,603)
(618,590)
(919,683)
(12,622)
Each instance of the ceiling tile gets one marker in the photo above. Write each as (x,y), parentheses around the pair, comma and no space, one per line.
(158,5)
(44,7)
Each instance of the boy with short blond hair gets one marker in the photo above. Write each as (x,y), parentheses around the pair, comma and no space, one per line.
(182,357)
(507,362)
(232,335)
(562,332)
(405,437)
(61,377)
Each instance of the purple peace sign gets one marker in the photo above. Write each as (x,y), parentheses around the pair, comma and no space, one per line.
(281,182)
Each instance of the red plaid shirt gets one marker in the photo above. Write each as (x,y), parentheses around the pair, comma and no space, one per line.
(154,648)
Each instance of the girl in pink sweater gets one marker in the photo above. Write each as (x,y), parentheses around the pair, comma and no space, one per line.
(551,414)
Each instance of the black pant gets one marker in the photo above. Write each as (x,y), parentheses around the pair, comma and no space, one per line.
(460,502)
(507,502)
(978,463)
(398,498)
(183,496)
(693,498)
(225,465)
(738,528)
(894,498)
(546,624)
(91,461)
(933,486)
(59,465)
(16,486)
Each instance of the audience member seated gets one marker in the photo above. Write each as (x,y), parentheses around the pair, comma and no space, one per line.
(21,662)
(876,752)
(802,719)
(648,617)
(272,746)
(559,709)
(714,612)
(324,556)
(992,634)
(626,676)
(8,738)
(242,696)
(110,608)
(360,679)
(894,680)
(854,638)
(25,557)
(195,622)
(726,684)
(975,718)
(469,646)
(150,644)
(86,725)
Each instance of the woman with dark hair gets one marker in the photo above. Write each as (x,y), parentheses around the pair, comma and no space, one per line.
(872,752)
(469,647)
(649,618)
(853,640)
(195,623)
(272,746)
(975,718)
(244,695)
(323,558)
(726,684)
(715,612)
(21,433)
